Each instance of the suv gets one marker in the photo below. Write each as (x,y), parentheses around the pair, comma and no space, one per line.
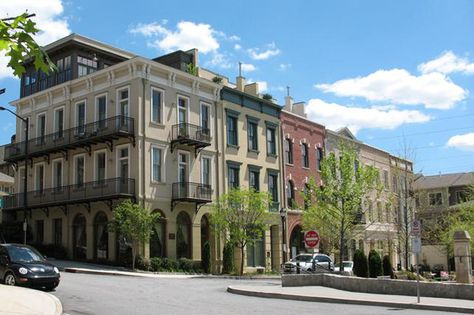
(309,263)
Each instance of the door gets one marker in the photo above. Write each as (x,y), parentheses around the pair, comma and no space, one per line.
(101,112)
(183,174)
(123,170)
(123,110)
(182,117)
(80,119)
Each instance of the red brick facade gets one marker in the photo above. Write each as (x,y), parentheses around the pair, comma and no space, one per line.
(300,132)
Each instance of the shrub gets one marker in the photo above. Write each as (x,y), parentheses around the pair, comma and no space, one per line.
(387,266)
(185,265)
(142,263)
(228,258)
(155,263)
(361,267)
(375,264)
(206,258)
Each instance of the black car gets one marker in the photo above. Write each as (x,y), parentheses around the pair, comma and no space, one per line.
(25,266)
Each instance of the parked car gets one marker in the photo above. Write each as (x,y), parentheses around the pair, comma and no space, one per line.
(25,266)
(348,267)
(309,263)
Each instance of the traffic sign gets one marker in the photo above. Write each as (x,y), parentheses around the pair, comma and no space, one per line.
(311,239)
(416,245)
(416,228)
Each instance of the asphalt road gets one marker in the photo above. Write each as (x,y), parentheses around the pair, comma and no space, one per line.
(98,294)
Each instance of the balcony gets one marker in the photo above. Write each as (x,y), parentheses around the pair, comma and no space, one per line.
(274,206)
(196,193)
(191,136)
(86,135)
(106,189)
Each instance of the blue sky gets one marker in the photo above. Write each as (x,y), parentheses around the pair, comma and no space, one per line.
(395,72)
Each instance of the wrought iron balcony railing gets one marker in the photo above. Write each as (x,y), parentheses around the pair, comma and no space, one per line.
(196,193)
(190,135)
(78,193)
(274,206)
(87,134)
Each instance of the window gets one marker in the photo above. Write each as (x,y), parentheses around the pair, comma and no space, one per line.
(41,129)
(39,231)
(39,178)
(156,158)
(289,151)
(256,253)
(233,173)
(86,66)
(252,135)
(123,102)
(183,174)
(232,130)
(306,196)
(254,178)
(304,155)
(100,167)
(79,171)
(101,111)
(57,175)
(123,163)
(319,158)
(461,196)
(385,179)
(388,210)
(379,212)
(156,105)
(273,186)
(58,123)
(291,195)
(57,231)
(271,141)
(182,110)
(206,170)
(205,119)
(436,199)
(80,118)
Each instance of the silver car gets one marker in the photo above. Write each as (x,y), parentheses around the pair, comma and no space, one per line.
(309,263)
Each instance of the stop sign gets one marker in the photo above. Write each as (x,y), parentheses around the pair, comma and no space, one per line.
(311,239)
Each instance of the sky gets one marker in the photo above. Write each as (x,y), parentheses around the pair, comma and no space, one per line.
(399,74)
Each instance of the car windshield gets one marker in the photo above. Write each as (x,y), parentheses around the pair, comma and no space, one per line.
(23,254)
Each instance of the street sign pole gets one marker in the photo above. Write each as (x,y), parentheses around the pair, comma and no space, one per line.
(418,277)
(416,248)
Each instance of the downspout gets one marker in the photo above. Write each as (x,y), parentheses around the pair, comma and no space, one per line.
(283,194)
(217,238)
(143,136)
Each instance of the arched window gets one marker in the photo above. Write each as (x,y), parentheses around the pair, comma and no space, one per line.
(158,239)
(183,236)
(101,237)
(204,232)
(79,237)
(304,155)
(291,195)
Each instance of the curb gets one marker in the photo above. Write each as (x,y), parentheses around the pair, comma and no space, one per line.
(294,297)
(100,272)
(59,306)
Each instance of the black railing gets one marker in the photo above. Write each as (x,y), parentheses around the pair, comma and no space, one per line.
(187,191)
(83,192)
(191,134)
(110,128)
(274,206)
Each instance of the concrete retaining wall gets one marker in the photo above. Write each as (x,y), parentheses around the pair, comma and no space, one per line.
(381,286)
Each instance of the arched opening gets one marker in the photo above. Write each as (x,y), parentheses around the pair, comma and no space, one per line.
(204,232)
(183,236)
(158,239)
(79,237)
(297,241)
(101,237)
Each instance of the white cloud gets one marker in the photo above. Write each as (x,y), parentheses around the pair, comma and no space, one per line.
(237,47)
(447,63)
(262,86)
(284,66)
(248,67)
(398,86)
(335,116)
(219,60)
(260,54)
(48,19)
(187,35)
(463,142)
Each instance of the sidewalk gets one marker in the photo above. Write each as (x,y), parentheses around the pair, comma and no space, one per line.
(22,301)
(330,295)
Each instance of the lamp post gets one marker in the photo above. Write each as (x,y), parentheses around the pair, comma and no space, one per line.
(283,215)
(25,181)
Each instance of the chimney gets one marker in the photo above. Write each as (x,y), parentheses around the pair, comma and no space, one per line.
(298,109)
(240,79)
(288,104)
(251,88)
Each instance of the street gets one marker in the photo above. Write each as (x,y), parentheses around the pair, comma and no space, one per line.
(99,294)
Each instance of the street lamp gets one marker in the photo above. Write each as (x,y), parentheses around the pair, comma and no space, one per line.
(283,215)
(25,181)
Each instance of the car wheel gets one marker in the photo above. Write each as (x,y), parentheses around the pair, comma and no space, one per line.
(10,279)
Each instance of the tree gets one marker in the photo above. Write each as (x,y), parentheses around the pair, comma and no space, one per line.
(135,223)
(335,208)
(16,39)
(387,266)
(375,264)
(459,218)
(361,265)
(240,217)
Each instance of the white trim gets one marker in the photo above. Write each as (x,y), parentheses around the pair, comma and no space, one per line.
(95,163)
(74,166)
(95,105)
(36,173)
(162,114)
(188,107)
(188,163)
(118,158)
(76,122)
(163,157)
(53,174)
(117,99)
(201,104)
